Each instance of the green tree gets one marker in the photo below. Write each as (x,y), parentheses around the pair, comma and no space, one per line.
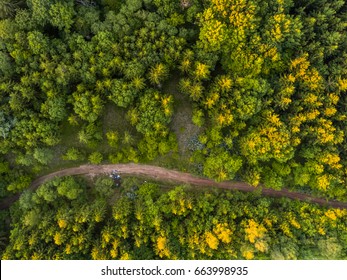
(43,155)
(69,188)
(95,158)
(222,166)
(9,7)
(158,74)
(61,15)
(73,154)
(112,138)
(87,105)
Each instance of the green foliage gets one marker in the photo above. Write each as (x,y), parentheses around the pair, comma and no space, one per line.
(158,74)
(104,186)
(73,154)
(8,7)
(62,15)
(175,224)
(112,138)
(43,155)
(88,106)
(95,158)
(19,183)
(90,135)
(222,166)
(266,80)
(69,188)
(155,111)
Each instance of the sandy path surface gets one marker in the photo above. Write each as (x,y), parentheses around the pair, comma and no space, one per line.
(163,174)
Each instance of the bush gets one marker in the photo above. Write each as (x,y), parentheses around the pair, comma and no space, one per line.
(95,158)
(73,154)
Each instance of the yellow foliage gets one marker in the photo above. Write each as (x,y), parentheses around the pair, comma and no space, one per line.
(162,249)
(323,182)
(313,79)
(295,129)
(273,54)
(113,253)
(248,254)
(115,244)
(251,144)
(325,131)
(35,256)
(117,216)
(268,222)
(68,249)
(296,141)
(253,177)
(211,100)
(125,256)
(208,14)
(95,254)
(221,6)
(201,71)
(125,231)
(58,238)
(223,232)
(291,78)
(340,212)
(242,15)
(321,231)
(225,83)
(254,231)
(221,119)
(211,240)
(261,246)
(311,115)
(284,102)
(161,243)
(193,240)
(276,32)
(76,227)
(98,217)
(331,159)
(138,242)
(342,84)
(106,236)
(167,112)
(286,230)
(32,240)
(330,111)
(333,98)
(274,119)
(212,31)
(166,101)
(62,223)
(293,222)
(278,18)
(331,214)
(311,98)
(301,60)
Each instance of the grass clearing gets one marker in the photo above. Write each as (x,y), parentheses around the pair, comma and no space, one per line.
(114,119)
(182,126)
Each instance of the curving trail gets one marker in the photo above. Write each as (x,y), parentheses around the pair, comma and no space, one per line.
(164,174)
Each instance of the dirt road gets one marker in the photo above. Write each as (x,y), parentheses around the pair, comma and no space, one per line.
(163,174)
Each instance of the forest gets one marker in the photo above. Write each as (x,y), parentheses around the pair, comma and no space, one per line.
(69,218)
(245,90)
